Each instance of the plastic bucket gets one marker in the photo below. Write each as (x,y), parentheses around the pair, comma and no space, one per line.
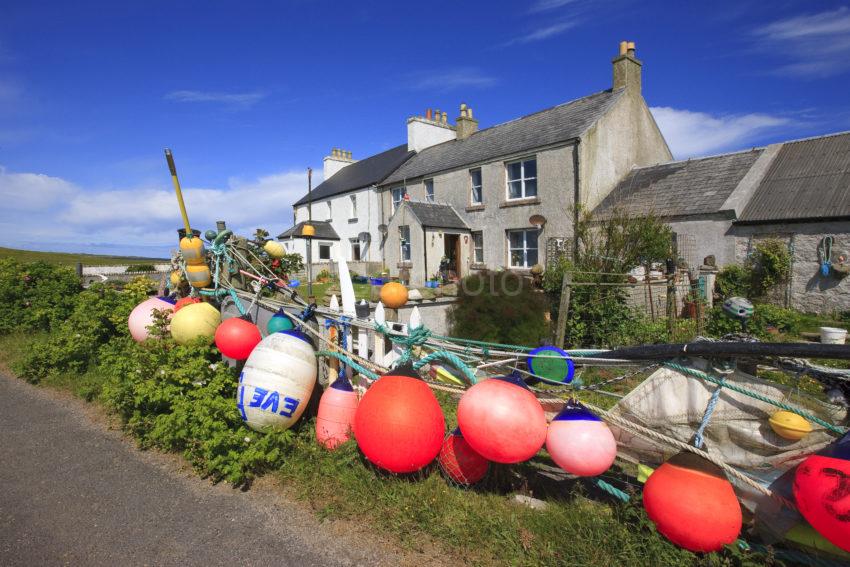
(832,335)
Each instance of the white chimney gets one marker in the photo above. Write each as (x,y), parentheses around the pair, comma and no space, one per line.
(336,161)
(429,130)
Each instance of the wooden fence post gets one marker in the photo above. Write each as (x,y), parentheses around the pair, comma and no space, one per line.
(563,310)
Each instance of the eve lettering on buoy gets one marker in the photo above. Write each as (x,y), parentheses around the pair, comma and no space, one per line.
(269,401)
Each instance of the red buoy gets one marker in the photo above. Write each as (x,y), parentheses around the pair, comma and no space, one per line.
(335,418)
(822,492)
(399,425)
(184,301)
(236,338)
(460,462)
(692,503)
(502,420)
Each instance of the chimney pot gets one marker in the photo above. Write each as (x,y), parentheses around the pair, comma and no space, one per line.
(631,46)
(624,46)
(469,112)
(429,114)
(445,118)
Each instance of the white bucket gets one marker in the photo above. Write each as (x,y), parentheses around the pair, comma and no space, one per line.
(832,335)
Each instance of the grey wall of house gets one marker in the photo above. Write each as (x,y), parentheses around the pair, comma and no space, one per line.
(392,246)
(707,236)
(807,289)
(625,137)
(555,192)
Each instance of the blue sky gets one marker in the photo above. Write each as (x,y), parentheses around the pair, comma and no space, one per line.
(249,94)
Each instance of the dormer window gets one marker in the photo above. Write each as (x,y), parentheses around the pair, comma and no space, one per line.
(522,178)
(398,194)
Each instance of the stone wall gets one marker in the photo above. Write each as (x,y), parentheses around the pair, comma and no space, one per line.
(807,290)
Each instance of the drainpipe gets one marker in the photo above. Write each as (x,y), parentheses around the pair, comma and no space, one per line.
(576,197)
(425,250)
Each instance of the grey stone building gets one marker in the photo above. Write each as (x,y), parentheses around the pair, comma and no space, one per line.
(513,186)
(797,192)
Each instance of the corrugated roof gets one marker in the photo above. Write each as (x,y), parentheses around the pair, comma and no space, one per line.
(324,231)
(358,175)
(696,186)
(808,179)
(557,124)
(436,215)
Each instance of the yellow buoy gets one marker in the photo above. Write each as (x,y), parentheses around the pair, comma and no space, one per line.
(308,230)
(193,250)
(193,321)
(175,278)
(198,275)
(274,249)
(789,425)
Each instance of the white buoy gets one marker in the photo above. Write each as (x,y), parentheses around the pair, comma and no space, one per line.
(277,381)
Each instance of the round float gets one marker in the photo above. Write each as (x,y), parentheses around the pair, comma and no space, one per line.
(236,337)
(460,462)
(194,321)
(141,317)
(552,364)
(579,442)
(393,295)
(337,408)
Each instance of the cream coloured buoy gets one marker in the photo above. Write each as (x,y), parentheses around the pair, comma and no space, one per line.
(193,321)
(277,381)
(274,249)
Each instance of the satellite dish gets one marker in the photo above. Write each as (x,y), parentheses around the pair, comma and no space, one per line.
(537,220)
(364,237)
(382,228)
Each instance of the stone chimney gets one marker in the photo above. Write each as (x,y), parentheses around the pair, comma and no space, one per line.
(429,130)
(336,161)
(627,68)
(466,124)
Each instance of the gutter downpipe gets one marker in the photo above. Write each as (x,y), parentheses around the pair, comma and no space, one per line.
(576,197)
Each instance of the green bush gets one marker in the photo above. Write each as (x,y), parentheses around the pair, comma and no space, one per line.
(140,268)
(734,281)
(36,296)
(499,307)
(786,321)
(770,264)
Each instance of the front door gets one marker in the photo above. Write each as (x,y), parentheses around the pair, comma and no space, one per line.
(452,255)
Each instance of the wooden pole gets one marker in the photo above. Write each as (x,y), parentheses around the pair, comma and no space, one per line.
(649,289)
(563,310)
(671,305)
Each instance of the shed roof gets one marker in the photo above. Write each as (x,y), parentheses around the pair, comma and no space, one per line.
(436,215)
(808,179)
(360,174)
(557,124)
(690,187)
(324,231)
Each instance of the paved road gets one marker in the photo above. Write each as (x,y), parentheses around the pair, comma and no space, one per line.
(72,492)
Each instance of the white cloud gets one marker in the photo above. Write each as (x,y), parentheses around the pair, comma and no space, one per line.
(449,79)
(814,45)
(690,133)
(51,210)
(540,34)
(236,99)
(546,5)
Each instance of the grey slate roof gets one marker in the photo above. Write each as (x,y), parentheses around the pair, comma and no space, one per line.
(324,231)
(808,179)
(557,124)
(436,215)
(358,175)
(696,186)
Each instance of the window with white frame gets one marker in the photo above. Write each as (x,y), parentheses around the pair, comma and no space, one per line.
(355,249)
(478,247)
(404,239)
(324,251)
(522,248)
(398,194)
(429,190)
(476,196)
(522,178)
(353,206)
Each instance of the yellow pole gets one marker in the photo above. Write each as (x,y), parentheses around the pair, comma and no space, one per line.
(173,169)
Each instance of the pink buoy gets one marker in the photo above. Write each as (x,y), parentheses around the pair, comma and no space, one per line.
(579,442)
(335,420)
(142,316)
(502,420)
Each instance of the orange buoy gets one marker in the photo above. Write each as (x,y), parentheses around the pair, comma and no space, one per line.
(460,462)
(502,420)
(393,295)
(335,419)
(822,492)
(184,301)
(692,503)
(399,424)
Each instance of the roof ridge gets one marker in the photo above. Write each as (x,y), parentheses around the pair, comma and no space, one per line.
(818,137)
(701,158)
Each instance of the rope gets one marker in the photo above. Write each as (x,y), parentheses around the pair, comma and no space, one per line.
(347,360)
(612,490)
(735,388)
(706,417)
(451,359)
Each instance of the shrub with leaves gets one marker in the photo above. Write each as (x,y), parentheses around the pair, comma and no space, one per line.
(499,307)
(770,265)
(734,281)
(36,296)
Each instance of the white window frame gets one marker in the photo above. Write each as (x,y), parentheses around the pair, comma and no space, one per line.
(522,179)
(404,243)
(401,191)
(476,248)
(353,199)
(525,248)
(327,245)
(473,186)
(429,190)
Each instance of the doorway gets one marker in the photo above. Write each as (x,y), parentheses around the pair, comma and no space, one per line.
(451,252)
